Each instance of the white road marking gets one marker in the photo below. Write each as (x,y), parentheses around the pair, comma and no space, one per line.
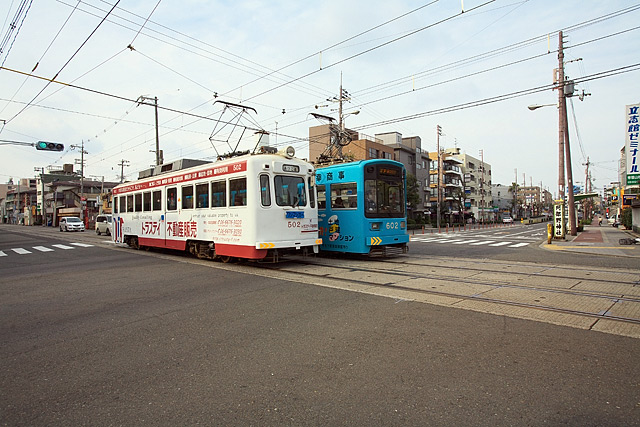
(501,244)
(82,245)
(63,246)
(42,249)
(20,251)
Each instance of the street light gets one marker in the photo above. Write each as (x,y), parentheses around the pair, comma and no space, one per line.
(536,106)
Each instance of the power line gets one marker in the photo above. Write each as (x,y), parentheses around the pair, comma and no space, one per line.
(65,64)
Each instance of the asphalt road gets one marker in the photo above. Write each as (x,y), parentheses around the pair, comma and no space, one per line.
(101,336)
(523,245)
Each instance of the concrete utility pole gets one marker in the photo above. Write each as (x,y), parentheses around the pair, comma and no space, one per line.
(82,153)
(438,133)
(482,184)
(141,99)
(122,164)
(561,120)
(565,126)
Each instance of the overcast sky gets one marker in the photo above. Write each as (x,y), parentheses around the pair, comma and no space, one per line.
(405,64)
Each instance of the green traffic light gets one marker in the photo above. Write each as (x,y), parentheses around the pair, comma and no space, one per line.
(49,146)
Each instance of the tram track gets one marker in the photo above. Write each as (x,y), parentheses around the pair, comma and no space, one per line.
(562,301)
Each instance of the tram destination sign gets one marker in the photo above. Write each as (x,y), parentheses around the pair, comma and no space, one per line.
(294,215)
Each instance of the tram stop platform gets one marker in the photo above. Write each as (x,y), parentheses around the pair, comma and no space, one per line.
(598,240)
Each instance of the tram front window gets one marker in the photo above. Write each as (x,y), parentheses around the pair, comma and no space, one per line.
(383,199)
(290,191)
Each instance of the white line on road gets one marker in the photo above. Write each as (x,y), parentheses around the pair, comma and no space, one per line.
(518,245)
(20,251)
(42,249)
(465,242)
(63,246)
(2,254)
(82,245)
(501,244)
(484,242)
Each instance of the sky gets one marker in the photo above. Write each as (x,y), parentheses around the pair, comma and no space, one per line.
(74,72)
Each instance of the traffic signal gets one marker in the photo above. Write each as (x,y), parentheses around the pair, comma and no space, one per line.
(49,146)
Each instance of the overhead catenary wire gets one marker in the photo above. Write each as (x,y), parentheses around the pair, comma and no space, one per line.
(65,64)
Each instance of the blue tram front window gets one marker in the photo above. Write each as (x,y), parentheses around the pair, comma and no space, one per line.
(290,191)
(384,199)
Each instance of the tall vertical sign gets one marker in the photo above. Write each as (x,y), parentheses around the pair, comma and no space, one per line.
(632,128)
(559,220)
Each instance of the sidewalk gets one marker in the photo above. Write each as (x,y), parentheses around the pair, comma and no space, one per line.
(598,240)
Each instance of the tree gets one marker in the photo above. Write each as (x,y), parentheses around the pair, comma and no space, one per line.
(413,195)
(514,198)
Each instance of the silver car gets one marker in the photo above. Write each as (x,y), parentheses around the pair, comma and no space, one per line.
(71,223)
(103,225)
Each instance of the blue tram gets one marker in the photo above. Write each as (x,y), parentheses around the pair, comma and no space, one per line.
(362,207)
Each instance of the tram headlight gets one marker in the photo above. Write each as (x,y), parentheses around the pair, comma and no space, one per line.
(290,151)
(375,226)
(403,225)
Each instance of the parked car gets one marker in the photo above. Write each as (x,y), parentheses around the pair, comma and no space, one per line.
(71,223)
(507,220)
(103,225)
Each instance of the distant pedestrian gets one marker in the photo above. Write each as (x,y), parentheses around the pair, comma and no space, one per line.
(599,221)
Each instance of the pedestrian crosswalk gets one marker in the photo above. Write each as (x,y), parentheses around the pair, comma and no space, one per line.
(456,240)
(30,250)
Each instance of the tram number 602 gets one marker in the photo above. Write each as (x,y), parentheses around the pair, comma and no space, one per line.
(294,224)
(393,226)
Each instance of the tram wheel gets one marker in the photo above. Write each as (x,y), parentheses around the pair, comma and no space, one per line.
(226,259)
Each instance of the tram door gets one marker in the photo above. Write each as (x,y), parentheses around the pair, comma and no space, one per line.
(171,217)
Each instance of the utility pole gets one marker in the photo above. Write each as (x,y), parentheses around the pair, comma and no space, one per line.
(515,195)
(482,184)
(438,133)
(82,153)
(565,126)
(122,164)
(561,119)
(141,99)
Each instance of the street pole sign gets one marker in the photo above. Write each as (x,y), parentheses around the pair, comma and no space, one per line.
(559,220)
(632,128)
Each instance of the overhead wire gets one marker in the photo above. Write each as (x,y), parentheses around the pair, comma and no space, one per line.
(65,64)
(43,55)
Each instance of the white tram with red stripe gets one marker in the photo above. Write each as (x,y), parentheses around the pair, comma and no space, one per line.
(256,206)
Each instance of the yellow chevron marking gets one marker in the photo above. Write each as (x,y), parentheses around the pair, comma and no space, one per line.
(375,241)
(266,245)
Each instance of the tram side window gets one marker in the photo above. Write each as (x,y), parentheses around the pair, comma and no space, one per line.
(202,195)
(370,196)
(187,197)
(289,191)
(123,204)
(130,203)
(219,194)
(146,201)
(312,193)
(115,205)
(322,197)
(138,198)
(265,190)
(157,200)
(171,199)
(344,196)
(238,190)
